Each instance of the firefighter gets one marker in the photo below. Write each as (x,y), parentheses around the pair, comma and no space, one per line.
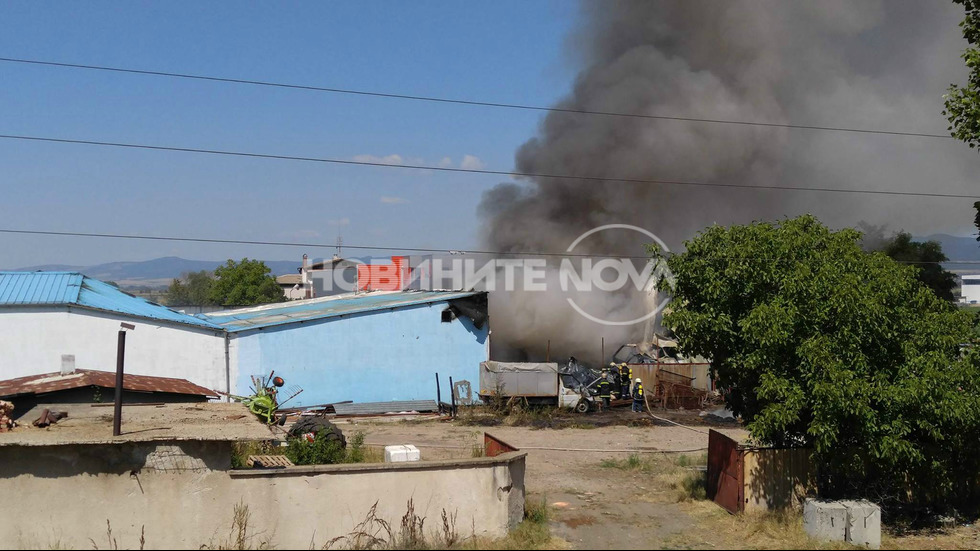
(625,376)
(605,389)
(637,396)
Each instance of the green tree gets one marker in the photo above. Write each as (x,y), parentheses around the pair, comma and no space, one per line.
(820,344)
(963,102)
(192,289)
(926,258)
(245,283)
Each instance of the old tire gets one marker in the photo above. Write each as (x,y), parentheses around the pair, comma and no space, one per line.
(318,425)
(582,406)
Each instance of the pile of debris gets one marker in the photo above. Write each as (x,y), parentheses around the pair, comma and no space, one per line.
(674,391)
(49,418)
(6,416)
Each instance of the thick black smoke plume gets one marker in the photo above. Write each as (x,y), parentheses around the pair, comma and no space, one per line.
(876,64)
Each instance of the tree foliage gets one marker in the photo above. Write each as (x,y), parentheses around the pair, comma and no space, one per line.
(963,102)
(192,289)
(244,283)
(820,344)
(925,257)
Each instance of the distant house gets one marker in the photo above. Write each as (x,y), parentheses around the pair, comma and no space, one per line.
(970,288)
(50,318)
(292,286)
(367,347)
(84,386)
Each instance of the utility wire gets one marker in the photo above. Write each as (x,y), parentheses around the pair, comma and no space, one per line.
(409,249)
(307,245)
(456,101)
(482,171)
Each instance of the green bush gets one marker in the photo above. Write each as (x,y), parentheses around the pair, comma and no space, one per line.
(820,344)
(325,452)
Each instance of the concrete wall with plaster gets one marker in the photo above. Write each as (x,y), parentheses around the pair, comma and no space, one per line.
(33,341)
(371,357)
(184,496)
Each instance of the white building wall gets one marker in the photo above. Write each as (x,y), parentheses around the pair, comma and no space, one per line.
(33,341)
(970,290)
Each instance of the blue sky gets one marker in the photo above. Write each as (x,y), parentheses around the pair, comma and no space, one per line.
(506,51)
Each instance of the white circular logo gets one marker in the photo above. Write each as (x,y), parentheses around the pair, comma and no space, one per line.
(594,275)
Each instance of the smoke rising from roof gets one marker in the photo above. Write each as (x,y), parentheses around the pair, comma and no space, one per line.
(880,65)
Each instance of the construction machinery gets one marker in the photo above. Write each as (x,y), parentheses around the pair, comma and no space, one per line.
(264,401)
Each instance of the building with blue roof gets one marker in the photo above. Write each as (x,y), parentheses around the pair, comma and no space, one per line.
(366,347)
(53,321)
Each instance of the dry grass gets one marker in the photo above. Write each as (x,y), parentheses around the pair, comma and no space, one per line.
(241,535)
(532,533)
(683,474)
(376,533)
(519,414)
(961,537)
(716,528)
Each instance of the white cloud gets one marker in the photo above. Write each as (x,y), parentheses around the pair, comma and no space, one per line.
(469,162)
(393,159)
(302,234)
(339,222)
(393,200)
(472,162)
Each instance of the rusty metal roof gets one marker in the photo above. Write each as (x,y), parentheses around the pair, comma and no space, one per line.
(92,424)
(289,279)
(54,382)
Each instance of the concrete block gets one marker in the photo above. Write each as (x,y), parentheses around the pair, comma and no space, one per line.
(825,520)
(863,524)
(402,453)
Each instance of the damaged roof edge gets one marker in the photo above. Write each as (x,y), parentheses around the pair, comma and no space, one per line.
(299,311)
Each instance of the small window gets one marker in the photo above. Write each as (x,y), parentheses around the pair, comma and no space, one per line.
(448,316)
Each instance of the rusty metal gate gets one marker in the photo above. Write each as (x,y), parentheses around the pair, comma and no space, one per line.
(725,482)
(493,446)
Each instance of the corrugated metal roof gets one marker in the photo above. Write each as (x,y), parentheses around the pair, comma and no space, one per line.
(74,289)
(39,288)
(326,307)
(54,382)
(372,408)
(102,296)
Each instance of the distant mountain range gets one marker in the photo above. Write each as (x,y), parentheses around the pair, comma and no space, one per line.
(158,272)
(958,248)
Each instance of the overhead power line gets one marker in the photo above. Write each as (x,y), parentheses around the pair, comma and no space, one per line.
(477,103)
(309,245)
(484,171)
(406,249)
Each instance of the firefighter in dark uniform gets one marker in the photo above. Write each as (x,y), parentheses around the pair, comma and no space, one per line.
(625,376)
(637,396)
(605,389)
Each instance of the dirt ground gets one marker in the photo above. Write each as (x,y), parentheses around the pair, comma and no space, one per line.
(604,507)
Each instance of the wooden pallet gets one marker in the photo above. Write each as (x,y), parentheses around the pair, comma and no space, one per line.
(268,461)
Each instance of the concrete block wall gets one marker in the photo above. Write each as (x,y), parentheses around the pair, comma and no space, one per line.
(824,520)
(856,522)
(863,524)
